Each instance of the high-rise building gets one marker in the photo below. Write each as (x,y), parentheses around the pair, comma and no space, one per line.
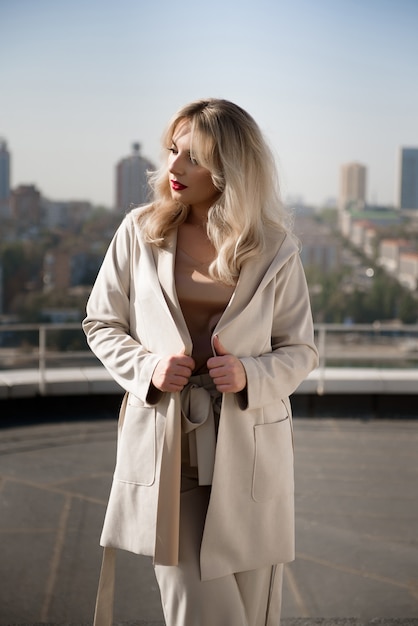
(4,178)
(408,179)
(4,171)
(132,180)
(353,184)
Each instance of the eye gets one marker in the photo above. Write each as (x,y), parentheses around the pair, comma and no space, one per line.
(173,150)
(192,160)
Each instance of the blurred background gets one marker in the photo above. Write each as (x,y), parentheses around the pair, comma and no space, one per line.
(87,87)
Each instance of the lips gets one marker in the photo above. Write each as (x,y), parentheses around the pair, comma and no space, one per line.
(177,186)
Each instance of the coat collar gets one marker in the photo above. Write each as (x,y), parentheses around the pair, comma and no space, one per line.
(255,274)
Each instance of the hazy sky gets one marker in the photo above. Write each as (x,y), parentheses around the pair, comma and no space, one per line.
(328,81)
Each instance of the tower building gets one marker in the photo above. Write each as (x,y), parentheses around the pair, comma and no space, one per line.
(131,180)
(408,179)
(4,178)
(353,184)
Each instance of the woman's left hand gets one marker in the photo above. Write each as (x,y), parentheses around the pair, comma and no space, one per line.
(226,370)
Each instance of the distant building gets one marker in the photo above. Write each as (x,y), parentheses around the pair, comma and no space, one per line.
(390,251)
(64,269)
(359,229)
(4,179)
(369,241)
(381,217)
(408,179)
(26,206)
(408,270)
(65,214)
(353,184)
(57,270)
(131,180)
(319,250)
(4,171)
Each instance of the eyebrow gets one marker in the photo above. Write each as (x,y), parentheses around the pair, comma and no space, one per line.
(173,143)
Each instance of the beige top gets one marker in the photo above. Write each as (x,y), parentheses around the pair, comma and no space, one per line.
(202,302)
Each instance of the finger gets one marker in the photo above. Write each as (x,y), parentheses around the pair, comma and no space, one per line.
(224,385)
(218,369)
(176,382)
(185,360)
(182,371)
(219,348)
(215,362)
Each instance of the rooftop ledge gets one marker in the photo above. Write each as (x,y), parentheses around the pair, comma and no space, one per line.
(96,380)
(301,621)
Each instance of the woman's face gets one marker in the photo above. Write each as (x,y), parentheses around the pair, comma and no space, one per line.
(191,184)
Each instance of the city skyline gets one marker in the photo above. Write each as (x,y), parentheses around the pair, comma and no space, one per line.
(329,82)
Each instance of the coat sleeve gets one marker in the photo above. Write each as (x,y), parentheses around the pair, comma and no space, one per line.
(277,374)
(107,324)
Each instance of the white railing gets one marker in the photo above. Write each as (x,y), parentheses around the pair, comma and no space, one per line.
(42,346)
(377,345)
(32,346)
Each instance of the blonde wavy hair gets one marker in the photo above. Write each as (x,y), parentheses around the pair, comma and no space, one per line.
(226,140)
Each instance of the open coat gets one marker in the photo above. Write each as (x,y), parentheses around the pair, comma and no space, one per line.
(134,318)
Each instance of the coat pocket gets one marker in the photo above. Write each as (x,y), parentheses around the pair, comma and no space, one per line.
(136,454)
(273,460)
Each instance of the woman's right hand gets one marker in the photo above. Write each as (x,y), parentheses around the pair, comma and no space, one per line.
(172,373)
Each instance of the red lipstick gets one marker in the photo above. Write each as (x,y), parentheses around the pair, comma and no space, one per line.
(177,186)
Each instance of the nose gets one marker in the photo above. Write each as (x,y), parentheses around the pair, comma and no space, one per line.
(176,164)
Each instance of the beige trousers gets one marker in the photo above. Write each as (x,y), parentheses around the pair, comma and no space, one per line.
(251,598)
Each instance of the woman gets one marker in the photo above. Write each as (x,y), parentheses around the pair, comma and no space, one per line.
(201,313)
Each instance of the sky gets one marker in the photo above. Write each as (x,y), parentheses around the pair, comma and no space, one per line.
(328,81)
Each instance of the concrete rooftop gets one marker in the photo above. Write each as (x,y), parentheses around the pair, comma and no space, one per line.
(356,520)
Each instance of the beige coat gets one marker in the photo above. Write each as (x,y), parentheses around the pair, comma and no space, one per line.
(133,318)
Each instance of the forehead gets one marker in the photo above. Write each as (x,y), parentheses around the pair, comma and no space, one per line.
(182,131)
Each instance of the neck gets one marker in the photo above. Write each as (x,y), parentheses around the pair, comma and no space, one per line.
(197,218)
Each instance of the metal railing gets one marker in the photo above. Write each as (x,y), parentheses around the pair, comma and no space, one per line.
(39,346)
(377,345)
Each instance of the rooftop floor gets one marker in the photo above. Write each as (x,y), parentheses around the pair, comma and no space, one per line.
(356,521)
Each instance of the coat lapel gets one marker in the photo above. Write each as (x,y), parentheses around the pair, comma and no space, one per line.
(253,277)
(165,263)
